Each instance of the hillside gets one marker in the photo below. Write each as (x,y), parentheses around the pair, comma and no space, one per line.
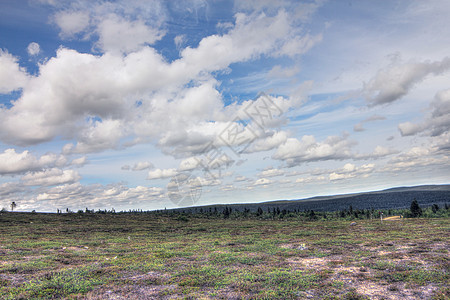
(394,198)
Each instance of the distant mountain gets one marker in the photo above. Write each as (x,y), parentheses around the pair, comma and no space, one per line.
(393,198)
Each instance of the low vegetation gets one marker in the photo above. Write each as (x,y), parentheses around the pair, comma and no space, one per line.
(245,255)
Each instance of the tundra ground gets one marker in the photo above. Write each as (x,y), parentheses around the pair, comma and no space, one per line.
(142,256)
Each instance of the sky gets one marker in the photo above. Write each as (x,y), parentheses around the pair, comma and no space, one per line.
(147,104)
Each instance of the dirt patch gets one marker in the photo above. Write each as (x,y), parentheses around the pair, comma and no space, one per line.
(131,292)
(299,246)
(148,277)
(75,248)
(317,263)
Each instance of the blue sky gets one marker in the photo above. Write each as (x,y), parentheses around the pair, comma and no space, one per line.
(153,104)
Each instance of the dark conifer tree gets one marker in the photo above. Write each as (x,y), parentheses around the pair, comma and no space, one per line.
(416,211)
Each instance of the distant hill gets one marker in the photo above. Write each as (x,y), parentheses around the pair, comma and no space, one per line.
(393,198)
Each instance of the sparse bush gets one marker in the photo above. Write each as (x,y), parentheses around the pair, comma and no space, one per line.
(183,218)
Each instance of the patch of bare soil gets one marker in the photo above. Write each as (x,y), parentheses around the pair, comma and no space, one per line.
(74,248)
(131,292)
(156,277)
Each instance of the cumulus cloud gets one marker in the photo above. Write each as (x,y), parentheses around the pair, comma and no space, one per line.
(12,163)
(79,162)
(92,98)
(295,151)
(408,128)
(101,136)
(51,177)
(142,165)
(397,80)
(271,172)
(33,49)
(189,164)
(251,37)
(351,171)
(271,142)
(159,174)
(12,75)
(95,196)
(118,34)
(416,157)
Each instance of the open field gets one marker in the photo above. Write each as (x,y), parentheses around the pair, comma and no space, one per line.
(143,256)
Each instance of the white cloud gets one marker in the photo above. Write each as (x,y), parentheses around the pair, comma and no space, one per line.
(101,136)
(71,22)
(271,173)
(118,34)
(241,178)
(415,158)
(12,76)
(33,49)
(299,45)
(310,179)
(251,37)
(159,174)
(263,182)
(189,164)
(360,126)
(74,90)
(10,188)
(408,128)
(207,182)
(96,196)
(300,94)
(396,80)
(79,162)
(381,151)
(378,152)
(280,72)
(139,192)
(142,165)
(179,40)
(351,171)
(12,163)
(295,151)
(437,121)
(51,177)
(268,143)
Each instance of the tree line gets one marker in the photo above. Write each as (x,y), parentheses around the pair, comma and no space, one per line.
(275,213)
